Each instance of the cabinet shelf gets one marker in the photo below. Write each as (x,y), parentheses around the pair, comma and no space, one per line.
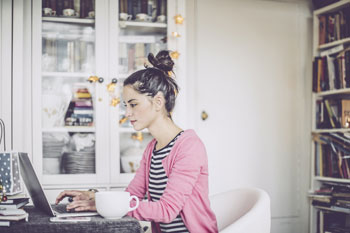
(124,24)
(68,20)
(331,8)
(77,129)
(343,210)
(66,74)
(334,43)
(330,179)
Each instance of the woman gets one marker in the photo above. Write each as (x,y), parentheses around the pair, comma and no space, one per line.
(174,168)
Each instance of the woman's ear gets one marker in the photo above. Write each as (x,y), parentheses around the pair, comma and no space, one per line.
(159,101)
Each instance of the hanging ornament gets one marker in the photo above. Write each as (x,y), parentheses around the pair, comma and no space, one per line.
(111,87)
(123,120)
(114,96)
(175,54)
(178,19)
(137,136)
(176,34)
(93,79)
(115,101)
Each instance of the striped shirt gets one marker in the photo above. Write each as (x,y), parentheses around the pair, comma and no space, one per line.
(157,184)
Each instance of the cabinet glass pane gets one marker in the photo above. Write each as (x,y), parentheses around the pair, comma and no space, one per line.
(132,146)
(142,29)
(68,99)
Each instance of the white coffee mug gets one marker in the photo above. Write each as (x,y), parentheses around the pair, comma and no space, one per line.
(91,14)
(124,16)
(161,18)
(114,204)
(68,12)
(49,12)
(143,17)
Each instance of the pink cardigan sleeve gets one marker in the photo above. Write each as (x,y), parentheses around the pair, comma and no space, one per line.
(183,174)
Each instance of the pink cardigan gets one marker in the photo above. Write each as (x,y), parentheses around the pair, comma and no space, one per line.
(187,189)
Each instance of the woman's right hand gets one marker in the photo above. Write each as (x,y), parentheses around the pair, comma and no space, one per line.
(76,195)
(82,200)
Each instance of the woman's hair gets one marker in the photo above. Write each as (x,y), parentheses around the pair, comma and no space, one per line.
(152,80)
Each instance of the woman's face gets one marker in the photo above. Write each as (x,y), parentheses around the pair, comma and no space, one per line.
(139,108)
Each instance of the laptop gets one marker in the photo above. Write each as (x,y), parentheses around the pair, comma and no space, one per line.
(37,194)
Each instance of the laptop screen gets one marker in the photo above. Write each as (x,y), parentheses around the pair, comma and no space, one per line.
(33,185)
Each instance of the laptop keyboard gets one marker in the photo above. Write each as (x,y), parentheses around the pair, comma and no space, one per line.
(61,209)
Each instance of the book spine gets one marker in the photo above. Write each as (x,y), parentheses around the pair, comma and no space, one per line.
(347,68)
(322,30)
(325,76)
(330,115)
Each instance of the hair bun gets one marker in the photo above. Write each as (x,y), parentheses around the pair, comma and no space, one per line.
(162,61)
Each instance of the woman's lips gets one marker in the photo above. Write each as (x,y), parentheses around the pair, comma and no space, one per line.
(132,122)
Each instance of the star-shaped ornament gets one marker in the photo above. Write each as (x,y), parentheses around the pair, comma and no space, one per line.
(111,87)
(175,54)
(176,34)
(115,102)
(93,79)
(179,19)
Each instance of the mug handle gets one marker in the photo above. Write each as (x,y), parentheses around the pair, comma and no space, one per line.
(137,202)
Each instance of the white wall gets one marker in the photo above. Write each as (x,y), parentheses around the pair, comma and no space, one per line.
(5,68)
(15,73)
(250,70)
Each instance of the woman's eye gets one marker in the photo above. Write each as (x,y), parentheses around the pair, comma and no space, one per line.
(132,105)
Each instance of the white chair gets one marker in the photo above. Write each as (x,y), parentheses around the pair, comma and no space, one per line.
(242,211)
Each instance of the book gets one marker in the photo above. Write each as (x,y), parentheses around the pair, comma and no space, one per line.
(345,113)
(14,200)
(18,217)
(330,113)
(5,223)
(18,195)
(347,65)
(322,30)
(330,28)
(15,203)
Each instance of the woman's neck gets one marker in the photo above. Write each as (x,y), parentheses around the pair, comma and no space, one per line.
(164,130)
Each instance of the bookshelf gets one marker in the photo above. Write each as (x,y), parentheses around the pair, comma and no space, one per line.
(330,145)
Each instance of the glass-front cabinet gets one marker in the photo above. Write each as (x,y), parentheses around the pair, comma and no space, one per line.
(83,50)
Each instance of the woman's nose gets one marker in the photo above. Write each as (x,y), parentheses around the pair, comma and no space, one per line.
(127,112)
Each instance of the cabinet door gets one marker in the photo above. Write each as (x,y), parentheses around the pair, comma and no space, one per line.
(141,28)
(70,104)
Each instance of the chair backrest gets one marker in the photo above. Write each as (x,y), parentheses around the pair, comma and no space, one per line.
(242,210)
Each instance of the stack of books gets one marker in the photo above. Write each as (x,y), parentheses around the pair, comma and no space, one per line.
(11,211)
(331,155)
(332,196)
(331,69)
(80,111)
